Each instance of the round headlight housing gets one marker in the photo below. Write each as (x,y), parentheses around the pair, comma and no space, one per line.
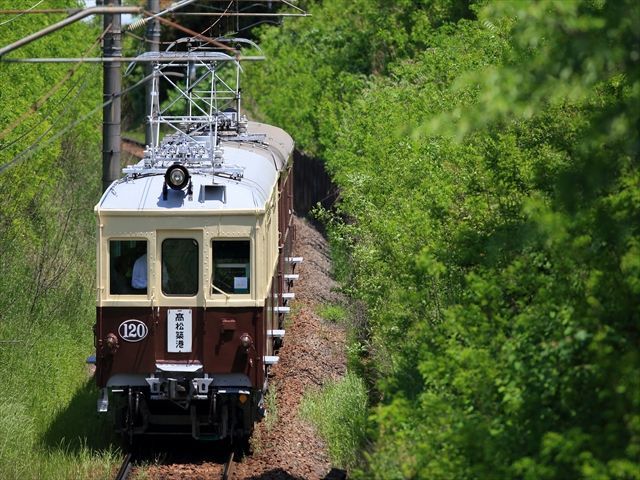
(176,177)
(246,340)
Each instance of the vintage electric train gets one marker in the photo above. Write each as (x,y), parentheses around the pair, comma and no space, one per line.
(194,259)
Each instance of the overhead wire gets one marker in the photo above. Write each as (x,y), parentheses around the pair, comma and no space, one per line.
(36,106)
(35,144)
(295,7)
(151,16)
(143,39)
(25,153)
(271,22)
(206,30)
(20,14)
(219,18)
(43,99)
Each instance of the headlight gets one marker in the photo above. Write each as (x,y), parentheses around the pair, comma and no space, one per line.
(177,177)
(246,340)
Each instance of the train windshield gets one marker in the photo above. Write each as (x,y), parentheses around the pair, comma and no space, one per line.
(180,266)
(231,266)
(128,267)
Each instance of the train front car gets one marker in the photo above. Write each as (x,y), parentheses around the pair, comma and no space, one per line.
(194,250)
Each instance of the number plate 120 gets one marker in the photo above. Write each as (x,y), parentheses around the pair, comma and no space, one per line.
(132,330)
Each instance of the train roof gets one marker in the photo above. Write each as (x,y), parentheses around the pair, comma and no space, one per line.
(260,155)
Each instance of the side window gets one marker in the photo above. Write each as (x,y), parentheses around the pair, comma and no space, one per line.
(231,266)
(128,267)
(180,266)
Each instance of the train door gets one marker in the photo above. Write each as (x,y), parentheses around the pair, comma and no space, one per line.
(181,299)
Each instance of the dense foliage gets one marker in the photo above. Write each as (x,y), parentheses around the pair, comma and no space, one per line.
(50,167)
(488,162)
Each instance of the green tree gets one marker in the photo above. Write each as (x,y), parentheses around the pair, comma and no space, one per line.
(488,169)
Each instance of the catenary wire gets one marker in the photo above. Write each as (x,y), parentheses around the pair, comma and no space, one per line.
(40,102)
(219,18)
(20,14)
(25,154)
(36,142)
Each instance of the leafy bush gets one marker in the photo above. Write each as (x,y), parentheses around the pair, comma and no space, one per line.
(488,188)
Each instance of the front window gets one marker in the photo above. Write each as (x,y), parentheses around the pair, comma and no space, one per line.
(231,266)
(180,266)
(128,267)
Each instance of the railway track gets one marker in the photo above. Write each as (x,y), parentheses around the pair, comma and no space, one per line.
(127,465)
(125,468)
(228,467)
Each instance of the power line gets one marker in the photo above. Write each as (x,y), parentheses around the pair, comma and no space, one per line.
(40,102)
(219,18)
(34,146)
(27,152)
(146,40)
(20,14)
(46,117)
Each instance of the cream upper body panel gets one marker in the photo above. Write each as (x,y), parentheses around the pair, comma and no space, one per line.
(244,209)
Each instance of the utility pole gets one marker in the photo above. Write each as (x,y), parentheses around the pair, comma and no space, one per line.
(112,86)
(153,45)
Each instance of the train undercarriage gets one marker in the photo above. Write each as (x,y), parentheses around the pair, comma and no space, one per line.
(187,405)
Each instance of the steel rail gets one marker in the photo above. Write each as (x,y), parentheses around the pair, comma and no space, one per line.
(228,467)
(125,468)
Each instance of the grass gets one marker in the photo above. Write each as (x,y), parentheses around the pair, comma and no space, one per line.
(138,135)
(333,312)
(49,427)
(63,465)
(270,419)
(271,405)
(66,441)
(339,412)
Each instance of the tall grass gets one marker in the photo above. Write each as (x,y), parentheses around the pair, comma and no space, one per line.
(271,405)
(339,412)
(64,465)
(49,428)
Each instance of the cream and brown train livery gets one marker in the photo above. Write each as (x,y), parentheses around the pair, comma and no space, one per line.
(193,272)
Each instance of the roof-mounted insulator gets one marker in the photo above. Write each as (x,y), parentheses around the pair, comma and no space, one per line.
(217,157)
(148,160)
(242,125)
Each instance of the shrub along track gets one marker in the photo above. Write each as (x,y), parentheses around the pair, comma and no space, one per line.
(285,446)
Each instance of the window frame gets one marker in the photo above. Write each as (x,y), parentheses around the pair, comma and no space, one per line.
(198,266)
(130,296)
(215,293)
